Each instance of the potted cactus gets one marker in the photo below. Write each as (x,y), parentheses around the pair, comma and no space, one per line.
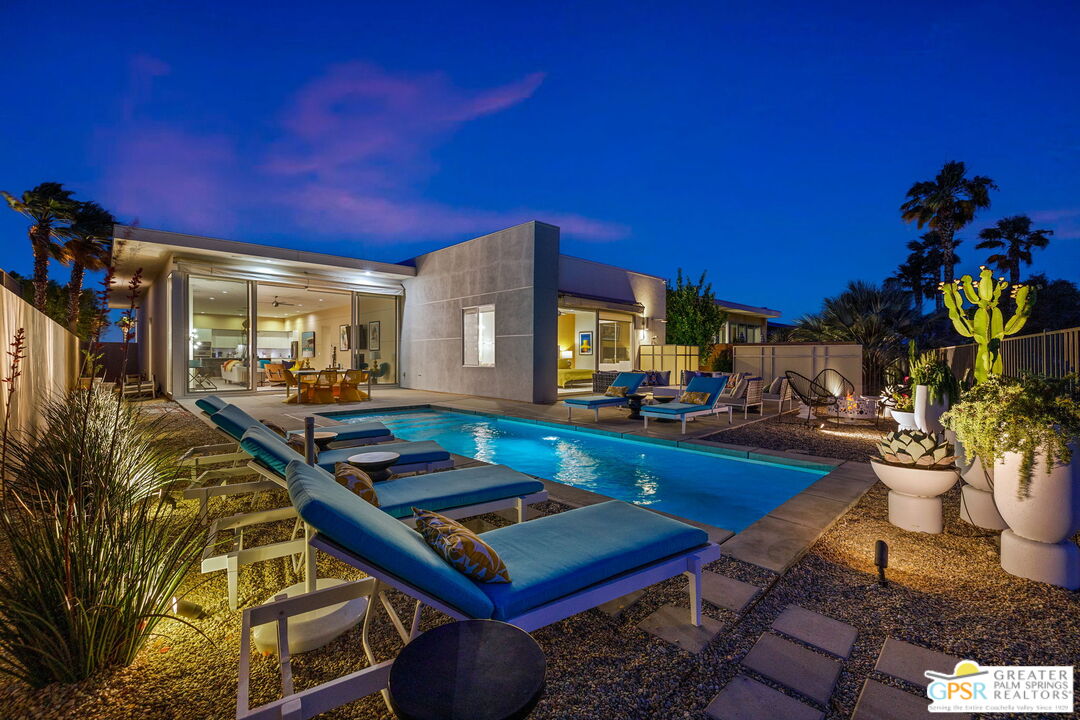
(1028,430)
(917,468)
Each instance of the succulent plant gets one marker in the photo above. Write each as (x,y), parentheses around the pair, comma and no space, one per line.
(916,449)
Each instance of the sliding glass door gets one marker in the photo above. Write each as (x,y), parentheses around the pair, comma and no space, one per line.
(219,345)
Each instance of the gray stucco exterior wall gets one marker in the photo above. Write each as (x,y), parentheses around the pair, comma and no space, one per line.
(516,270)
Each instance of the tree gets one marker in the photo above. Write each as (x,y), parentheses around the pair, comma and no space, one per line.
(921,272)
(56,305)
(89,241)
(48,207)
(881,319)
(946,204)
(1057,306)
(693,317)
(1015,236)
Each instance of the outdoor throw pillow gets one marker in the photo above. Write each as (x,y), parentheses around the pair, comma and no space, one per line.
(774,386)
(432,524)
(471,556)
(275,427)
(694,398)
(616,391)
(356,480)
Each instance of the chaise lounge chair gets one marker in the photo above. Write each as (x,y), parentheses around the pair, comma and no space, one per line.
(681,411)
(559,565)
(455,493)
(629,380)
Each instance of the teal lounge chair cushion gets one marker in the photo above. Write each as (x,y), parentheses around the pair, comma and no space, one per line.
(380,540)
(456,488)
(425,451)
(234,421)
(673,408)
(268,449)
(354,431)
(210,404)
(595,401)
(558,555)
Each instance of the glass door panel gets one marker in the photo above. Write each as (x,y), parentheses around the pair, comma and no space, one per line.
(218,342)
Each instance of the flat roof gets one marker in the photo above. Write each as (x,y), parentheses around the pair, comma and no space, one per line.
(748,309)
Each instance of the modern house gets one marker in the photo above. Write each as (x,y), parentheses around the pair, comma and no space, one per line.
(503,315)
(745,323)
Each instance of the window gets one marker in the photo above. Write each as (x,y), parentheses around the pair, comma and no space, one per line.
(478,336)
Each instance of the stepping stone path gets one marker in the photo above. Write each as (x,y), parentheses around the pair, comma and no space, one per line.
(817,630)
(793,666)
(908,662)
(672,623)
(726,592)
(746,699)
(883,702)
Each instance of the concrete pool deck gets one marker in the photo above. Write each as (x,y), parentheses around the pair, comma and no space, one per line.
(775,541)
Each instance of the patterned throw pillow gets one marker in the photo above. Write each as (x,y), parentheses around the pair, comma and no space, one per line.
(296,442)
(275,427)
(357,481)
(694,398)
(432,524)
(774,386)
(616,391)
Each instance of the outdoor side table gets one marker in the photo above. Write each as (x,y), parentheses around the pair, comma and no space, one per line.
(663,399)
(322,438)
(635,405)
(468,670)
(375,464)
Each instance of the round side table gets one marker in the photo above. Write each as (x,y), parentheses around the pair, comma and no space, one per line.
(468,670)
(635,405)
(322,438)
(375,464)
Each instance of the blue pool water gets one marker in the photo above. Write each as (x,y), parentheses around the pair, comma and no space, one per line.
(726,492)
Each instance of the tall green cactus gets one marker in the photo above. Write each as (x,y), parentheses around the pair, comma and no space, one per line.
(987,327)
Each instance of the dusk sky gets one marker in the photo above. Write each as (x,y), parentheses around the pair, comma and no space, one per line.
(768,143)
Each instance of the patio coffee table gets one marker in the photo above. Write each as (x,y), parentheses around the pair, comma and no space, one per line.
(475,669)
(375,464)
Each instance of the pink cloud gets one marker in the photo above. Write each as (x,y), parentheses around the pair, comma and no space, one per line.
(1064,222)
(354,146)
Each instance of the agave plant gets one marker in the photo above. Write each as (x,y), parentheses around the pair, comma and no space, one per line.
(916,449)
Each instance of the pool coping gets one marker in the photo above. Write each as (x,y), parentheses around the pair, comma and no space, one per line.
(775,541)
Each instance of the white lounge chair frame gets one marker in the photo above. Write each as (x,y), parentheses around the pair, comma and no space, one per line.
(335,693)
(717,408)
(231,554)
(596,410)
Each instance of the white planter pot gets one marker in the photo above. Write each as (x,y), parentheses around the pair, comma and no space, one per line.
(977,504)
(1039,543)
(904,420)
(914,495)
(928,414)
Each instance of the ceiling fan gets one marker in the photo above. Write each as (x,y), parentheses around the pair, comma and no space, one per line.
(278,303)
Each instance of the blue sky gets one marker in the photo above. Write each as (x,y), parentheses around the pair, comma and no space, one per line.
(768,143)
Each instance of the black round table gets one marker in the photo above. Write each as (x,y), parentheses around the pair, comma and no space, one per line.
(635,405)
(468,670)
(375,464)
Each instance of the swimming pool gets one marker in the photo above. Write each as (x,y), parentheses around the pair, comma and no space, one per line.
(723,491)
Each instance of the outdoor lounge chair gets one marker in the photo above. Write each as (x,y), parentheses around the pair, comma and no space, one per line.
(837,385)
(630,380)
(455,493)
(234,421)
(747,396)
(809,393)
(559,565)
(210,404)
(682,411)
(782,395)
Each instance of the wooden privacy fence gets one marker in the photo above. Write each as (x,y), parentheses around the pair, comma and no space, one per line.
(770,360)
(51,364)
(1055,353)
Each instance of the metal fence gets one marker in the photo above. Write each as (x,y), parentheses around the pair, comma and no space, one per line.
(1055,353)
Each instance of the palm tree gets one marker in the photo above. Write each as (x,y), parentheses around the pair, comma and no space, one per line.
(946,204)
(89,242)
(47,206)
(881,319)
(1015,235)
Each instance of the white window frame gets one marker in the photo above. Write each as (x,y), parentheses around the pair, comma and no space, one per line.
(475,358)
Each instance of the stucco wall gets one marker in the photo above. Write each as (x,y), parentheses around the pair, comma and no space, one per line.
(516,270)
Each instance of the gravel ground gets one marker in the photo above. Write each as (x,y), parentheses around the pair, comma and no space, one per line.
(947,592)
(855,441)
